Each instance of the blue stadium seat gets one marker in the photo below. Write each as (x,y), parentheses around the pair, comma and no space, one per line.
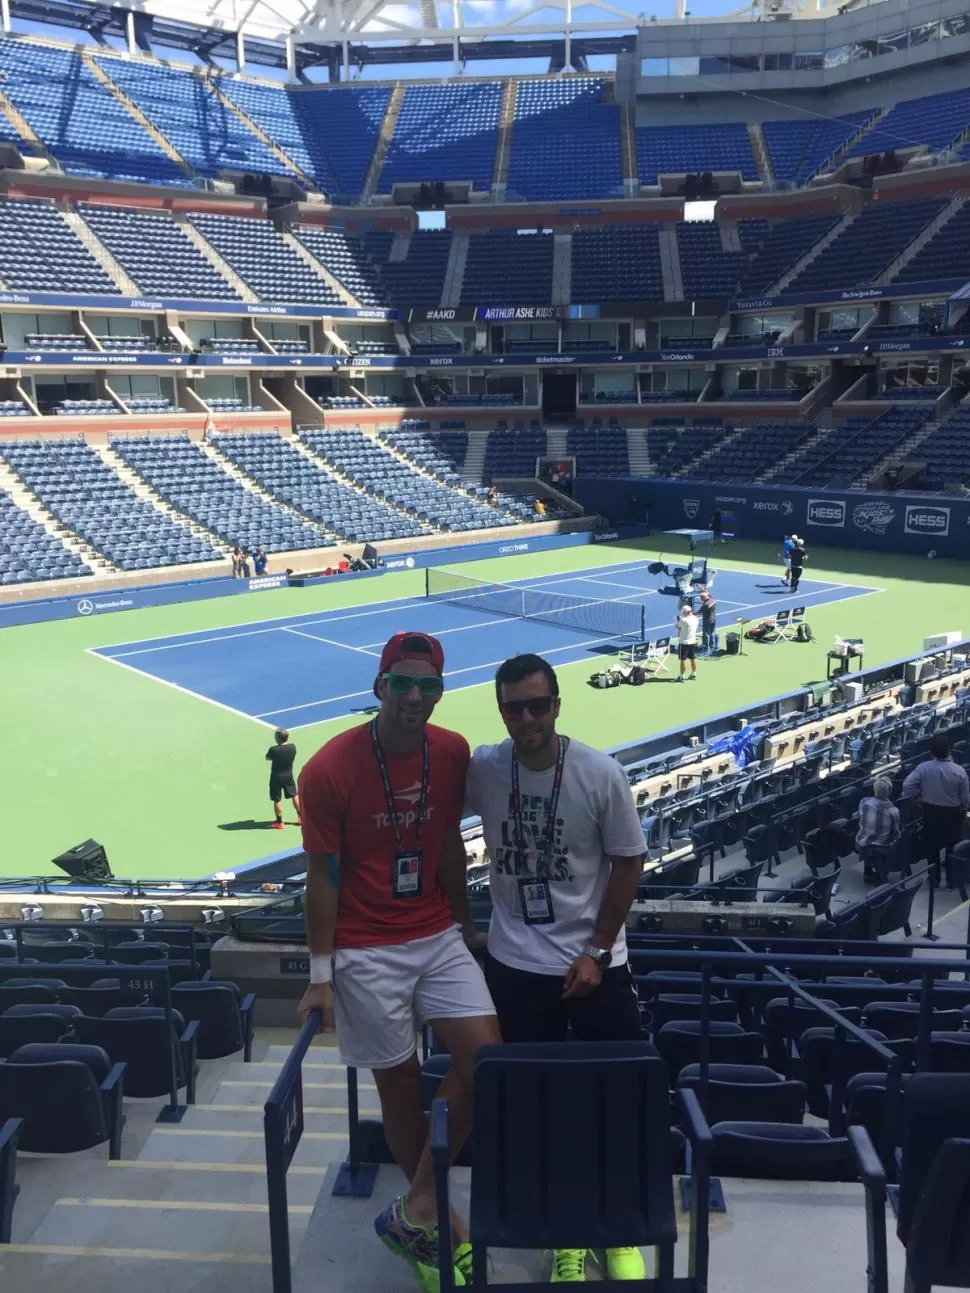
(565,142)
(444,132)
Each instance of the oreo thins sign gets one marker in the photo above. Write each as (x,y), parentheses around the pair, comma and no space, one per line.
(825,511)
(934,522)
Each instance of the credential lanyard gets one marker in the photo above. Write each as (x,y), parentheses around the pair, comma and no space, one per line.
(389,793)
(543,861)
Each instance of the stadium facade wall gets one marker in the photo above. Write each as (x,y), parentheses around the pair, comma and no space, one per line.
(131,599)
(886,522)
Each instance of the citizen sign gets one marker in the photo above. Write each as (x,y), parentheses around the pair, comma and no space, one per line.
(825,511)
(921,519)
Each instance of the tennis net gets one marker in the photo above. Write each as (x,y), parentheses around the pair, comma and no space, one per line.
(607,619)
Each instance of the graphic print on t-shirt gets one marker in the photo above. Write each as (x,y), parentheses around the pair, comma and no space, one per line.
(531,859)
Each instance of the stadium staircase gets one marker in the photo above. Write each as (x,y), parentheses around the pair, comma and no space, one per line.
(792,272)
(386,134)
(221,266)
(251,484)
(782,465)
(557,442)
(146,123)
(503,141)
(562,268)
(834,160)
(349,483)
(759,150)
(10,483)
(906,448)
(25,130)
(185,1203)
(673,283)
(927,234)
(211,83)
(454,279)
(318,267)
(638,455)
(628,150)
(112,267)
(473,468)
(139,486)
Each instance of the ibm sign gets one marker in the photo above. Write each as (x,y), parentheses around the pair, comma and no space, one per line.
(931,521)
(825,511)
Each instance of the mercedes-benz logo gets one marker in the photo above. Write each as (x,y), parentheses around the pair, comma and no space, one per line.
(85,606)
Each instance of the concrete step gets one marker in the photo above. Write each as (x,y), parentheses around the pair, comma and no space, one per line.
(117,1269)
(197,1226)
(184,1182)
(237,1144)
(317,1095)
(217,1118)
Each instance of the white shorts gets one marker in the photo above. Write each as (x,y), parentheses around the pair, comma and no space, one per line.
(382,995)
(787,561)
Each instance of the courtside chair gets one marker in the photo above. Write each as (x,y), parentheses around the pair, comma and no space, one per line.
(590,1165)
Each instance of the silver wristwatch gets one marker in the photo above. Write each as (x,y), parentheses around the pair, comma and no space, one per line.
(601,955)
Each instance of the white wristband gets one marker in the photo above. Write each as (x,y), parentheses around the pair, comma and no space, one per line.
(320,970)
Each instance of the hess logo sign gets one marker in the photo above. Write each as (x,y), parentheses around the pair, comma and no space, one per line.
(825,511)
(921,519)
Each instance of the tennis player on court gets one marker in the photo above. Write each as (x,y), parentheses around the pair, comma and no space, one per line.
(281,758)
(388,924)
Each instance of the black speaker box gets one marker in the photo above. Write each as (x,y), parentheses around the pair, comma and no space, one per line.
(87,861)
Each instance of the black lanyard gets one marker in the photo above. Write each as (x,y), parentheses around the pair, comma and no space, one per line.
(389,793)
(549,841)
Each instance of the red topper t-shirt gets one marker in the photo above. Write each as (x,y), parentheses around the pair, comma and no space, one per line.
(344,811)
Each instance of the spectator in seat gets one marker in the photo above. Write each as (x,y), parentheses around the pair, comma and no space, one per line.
(492,495)
(878,824)
(388,923)
(540,509)
(942,787)
(281,758)
(566,849)
(259,561)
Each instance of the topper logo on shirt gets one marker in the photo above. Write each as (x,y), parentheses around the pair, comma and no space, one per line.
(411,795)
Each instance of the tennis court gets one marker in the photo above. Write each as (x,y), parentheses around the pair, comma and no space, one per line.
(306,669)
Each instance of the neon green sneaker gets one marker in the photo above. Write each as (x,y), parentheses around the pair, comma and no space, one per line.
(625,1264)
(463,1262)
(568,1266)
(417,1245)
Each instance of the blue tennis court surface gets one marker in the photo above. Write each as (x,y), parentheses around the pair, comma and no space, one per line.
(307,668)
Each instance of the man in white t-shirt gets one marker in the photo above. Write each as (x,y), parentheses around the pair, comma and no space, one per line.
(566,849)
(688,626)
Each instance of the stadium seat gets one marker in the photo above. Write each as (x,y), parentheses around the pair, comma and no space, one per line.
(224,1017)
(526,1195)
(780,1151)
(69,1098)
(142,1039)
(21,1030)
(9,1189)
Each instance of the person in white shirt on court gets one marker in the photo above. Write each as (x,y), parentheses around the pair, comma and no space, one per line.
(566,849)
(688,627)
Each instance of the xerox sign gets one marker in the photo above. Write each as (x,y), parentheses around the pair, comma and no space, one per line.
(923,519)
(825,511)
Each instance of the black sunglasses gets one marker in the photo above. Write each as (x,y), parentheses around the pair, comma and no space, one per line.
(538,706)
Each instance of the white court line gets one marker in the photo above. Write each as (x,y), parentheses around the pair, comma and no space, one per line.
(453,673)
(298,633)
(197,695)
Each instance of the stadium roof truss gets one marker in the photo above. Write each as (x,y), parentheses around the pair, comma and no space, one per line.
(301,33)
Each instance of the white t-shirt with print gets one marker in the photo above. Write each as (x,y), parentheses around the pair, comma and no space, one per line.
(596,818)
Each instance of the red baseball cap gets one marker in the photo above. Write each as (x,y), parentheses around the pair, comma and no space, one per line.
(411,646)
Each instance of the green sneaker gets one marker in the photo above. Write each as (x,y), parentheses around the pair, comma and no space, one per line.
(568,1266)
(417,1245)
(625,1264)
(463,1262)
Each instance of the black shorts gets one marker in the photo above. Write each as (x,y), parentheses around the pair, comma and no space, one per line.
(688,650)
(531,1008)
(280,786)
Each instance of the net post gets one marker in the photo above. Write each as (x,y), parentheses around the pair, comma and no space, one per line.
(643,622)
(427,581)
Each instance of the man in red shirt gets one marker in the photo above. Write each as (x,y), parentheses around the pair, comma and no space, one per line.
(388,923)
